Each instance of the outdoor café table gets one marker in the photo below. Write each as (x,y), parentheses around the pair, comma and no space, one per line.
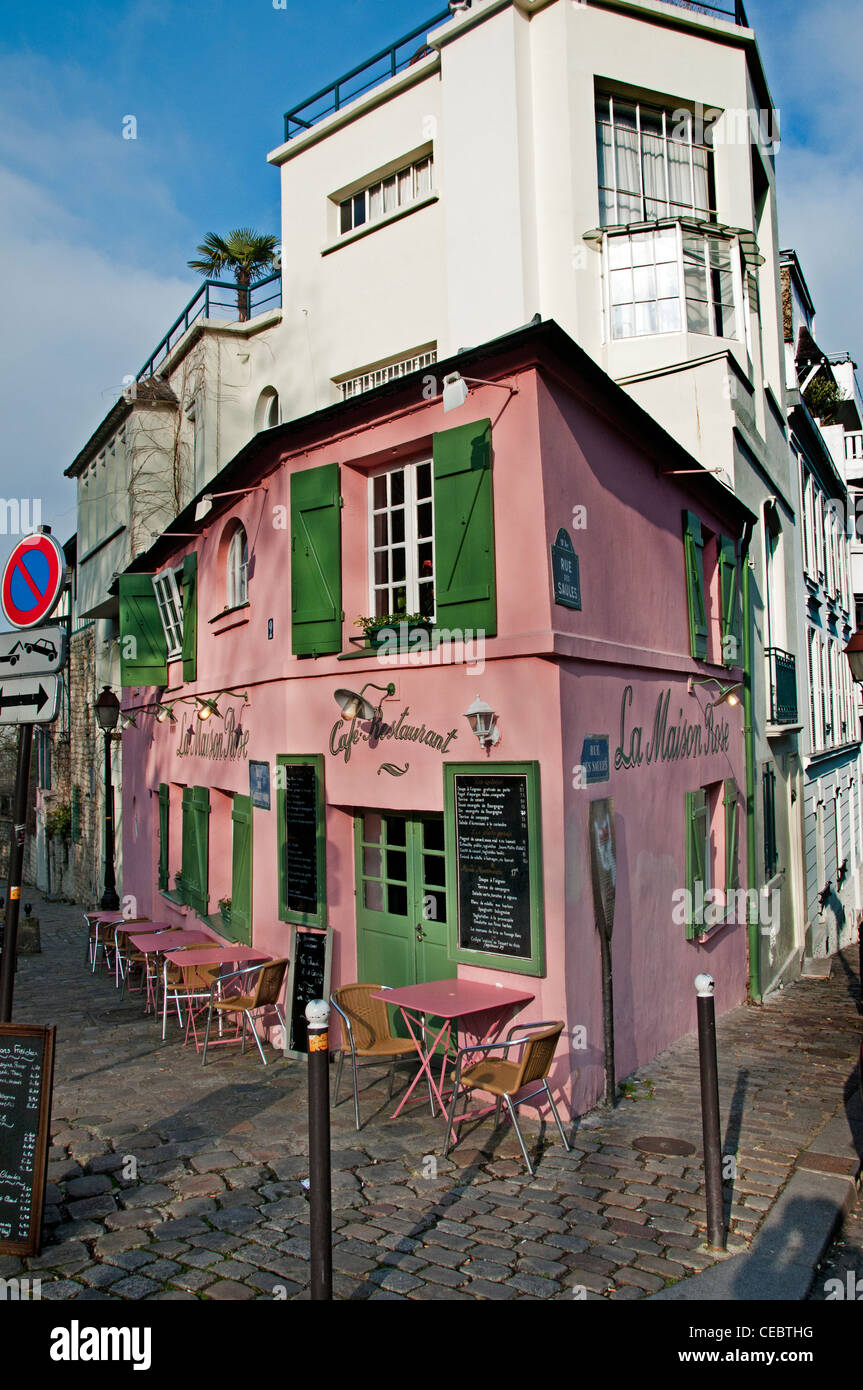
(477,1009)
(228,954)
(156,936)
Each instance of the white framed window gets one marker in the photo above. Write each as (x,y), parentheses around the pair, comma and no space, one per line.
(815,690)
(169,600)
(671,279)
(387,195)
(401,540)
(650,162)
(238,569)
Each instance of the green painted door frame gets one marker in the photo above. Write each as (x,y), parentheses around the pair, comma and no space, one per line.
(401,899)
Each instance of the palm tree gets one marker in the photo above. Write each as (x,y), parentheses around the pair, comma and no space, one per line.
(244,253)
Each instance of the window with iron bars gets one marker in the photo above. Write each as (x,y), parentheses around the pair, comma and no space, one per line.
(367,381)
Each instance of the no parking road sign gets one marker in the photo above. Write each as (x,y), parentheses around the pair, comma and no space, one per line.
(32,580)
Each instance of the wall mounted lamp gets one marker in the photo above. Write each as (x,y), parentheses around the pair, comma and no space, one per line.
(727,693)
(456,389)
(353,706)
(854,653)
(483,722)
(163,712)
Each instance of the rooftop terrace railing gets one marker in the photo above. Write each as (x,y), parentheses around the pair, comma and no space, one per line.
(403,53)
(350,85)
(217,299)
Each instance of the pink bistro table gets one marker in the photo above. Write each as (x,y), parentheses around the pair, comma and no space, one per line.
(228,954)
(476,1009)
(141,926)
(154,937)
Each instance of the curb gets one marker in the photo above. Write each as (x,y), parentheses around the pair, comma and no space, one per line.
(781,1263)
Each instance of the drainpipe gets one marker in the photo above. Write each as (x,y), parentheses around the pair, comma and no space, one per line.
(749,753)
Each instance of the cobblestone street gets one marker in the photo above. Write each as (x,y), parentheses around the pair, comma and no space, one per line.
(169,1181)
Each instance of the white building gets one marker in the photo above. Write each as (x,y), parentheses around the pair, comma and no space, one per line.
(831,810)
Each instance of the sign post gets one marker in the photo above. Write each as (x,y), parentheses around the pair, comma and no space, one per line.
(29,590)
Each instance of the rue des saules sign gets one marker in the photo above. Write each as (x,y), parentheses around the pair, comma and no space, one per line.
(670,740)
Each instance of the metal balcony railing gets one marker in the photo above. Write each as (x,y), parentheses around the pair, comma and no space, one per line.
(369,74)
(217,299)
(733,10)
(782,680)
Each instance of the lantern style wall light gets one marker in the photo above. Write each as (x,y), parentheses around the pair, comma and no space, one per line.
(854,653)
(456,389)
(483,722)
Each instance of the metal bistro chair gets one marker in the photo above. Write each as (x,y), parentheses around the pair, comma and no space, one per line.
(264,995)
(503,1078)
(366,1027)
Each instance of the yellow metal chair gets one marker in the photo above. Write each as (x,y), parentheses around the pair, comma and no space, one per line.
(366,1029)
(504,1078)
(264,994)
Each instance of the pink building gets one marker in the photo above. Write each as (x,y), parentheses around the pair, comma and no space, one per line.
(426,852)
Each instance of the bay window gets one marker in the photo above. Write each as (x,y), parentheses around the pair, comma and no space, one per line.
(671,279)
(652,162)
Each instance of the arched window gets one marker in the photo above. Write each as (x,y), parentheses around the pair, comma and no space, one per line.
(267,409)
(238,569)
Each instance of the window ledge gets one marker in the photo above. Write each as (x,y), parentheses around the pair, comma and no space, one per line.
(350,237)
(175,899)
(233,617)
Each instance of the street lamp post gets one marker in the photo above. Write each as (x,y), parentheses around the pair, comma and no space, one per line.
(107,713)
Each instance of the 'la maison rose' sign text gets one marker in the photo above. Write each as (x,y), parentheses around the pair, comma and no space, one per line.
(668,742)
(229,743)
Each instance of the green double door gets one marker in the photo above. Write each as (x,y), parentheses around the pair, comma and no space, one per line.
(401,899)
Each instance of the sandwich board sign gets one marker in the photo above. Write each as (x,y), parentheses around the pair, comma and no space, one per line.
(32,580)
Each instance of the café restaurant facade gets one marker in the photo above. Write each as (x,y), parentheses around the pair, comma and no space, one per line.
(562,581)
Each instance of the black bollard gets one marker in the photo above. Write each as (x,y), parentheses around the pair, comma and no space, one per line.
(320,1195)
(705,986)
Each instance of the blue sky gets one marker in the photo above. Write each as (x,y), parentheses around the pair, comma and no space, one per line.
(95,230)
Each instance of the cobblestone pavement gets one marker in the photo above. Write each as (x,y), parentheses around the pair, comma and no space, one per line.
(169,1181)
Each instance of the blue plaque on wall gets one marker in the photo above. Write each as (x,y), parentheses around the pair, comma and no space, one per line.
(564,569)
(594,758)
(259,785)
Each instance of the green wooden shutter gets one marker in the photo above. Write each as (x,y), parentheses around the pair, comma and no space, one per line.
(241,870)
(143,659)
(164,803)
(190,617)
(465,589)
(696,803)
(729,583)
(732,872)
(316,561)
(694,550)
(196,848)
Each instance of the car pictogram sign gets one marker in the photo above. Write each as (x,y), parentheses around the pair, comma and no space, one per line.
(32,580)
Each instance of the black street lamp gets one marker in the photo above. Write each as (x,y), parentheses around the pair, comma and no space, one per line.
(107,713)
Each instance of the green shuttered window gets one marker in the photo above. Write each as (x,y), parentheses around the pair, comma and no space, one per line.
(732,872)
(142,637)
(316,562)
(164,822)
(465,590)
(729,583)
(196,848)
(697,848)
(241,869)
(190,617)
(694,552)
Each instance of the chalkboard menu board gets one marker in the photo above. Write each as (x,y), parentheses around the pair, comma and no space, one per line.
(301,822)
(26,1079)
(309,978)
(493,859)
